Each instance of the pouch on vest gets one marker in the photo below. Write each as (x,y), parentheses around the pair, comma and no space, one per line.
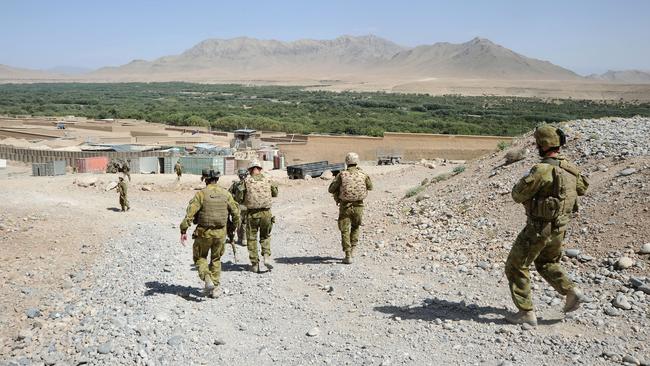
(551,207)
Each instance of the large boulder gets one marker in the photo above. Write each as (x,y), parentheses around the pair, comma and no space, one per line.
(87,182)
(515,155)
(327,175)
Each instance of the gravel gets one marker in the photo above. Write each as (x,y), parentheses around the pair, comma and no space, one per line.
(427,285)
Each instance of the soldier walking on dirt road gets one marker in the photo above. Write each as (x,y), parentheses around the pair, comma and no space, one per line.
(350,188)
(235,189)
(549,192)
(122,190)
(257,194)
(209,209)
(178,169)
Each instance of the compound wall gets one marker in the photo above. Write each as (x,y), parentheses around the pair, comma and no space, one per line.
(412,146)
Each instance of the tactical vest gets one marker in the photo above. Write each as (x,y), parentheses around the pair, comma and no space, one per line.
(214,210)
(258,193)
(563,195)
(353,186)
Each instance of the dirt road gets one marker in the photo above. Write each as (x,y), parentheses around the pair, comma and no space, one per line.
(118,288)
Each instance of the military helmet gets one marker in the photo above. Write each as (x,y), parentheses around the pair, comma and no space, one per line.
(210,174)
(547,137)
(254,164)
(242,172)
(352,158)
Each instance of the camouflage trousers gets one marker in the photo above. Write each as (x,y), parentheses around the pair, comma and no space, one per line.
(240,230)
(350,217)
(258,221)
(124,202)
(540,243)
(214,247)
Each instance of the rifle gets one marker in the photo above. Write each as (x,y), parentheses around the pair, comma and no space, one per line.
(230,228)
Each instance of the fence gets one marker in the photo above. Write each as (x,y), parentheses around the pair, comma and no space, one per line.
(70,157)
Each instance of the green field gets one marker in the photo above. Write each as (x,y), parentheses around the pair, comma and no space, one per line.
(291,109)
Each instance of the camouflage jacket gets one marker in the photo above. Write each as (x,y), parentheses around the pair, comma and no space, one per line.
(538,182)
(122,188)
(241,193)
(195,206)
(335,186)
(236,189)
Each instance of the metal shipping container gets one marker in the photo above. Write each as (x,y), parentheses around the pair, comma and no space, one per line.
(92,165)
(56,167)
(168,166)
(196,164)
(149,165)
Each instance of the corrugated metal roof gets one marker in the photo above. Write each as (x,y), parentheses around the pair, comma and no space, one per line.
(119,147)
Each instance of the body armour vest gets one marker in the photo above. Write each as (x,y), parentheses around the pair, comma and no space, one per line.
(258,193)
(214,210)
(353,186)
(561,198)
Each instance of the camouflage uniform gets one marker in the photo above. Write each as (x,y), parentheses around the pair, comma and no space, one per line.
(178,168)
(235,189)
(126,170)
(122,189)
(350,204)
(258,217)
(549,192)
(209,239)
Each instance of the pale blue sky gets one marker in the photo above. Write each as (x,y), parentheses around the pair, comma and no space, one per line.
(585,36)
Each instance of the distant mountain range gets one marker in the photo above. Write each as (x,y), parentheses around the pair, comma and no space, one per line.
(368,57)
(624,76)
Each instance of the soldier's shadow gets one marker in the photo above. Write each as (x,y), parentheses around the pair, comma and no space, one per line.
(114,209)
(186,292)
(308,260)
(230,266)
(447,310)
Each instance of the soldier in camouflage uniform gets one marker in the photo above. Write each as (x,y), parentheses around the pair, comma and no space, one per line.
(350,188)
(122,189)
(549,192)
(256,195)
(126,168)
(235,188)
(209,209)
(178,169)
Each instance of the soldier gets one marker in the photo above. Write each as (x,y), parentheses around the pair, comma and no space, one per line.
(256,195)
(350,188)
(126,169)
(235,188)
(209,209)
(178,168)
(122,191)
(549,192)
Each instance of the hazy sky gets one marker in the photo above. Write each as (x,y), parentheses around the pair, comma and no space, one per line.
(585,36)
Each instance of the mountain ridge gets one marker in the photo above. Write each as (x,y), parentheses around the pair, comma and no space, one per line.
(477,58)
(623,76)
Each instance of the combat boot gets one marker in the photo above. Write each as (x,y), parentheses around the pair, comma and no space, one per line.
(267,262)
(521,317)
(215,293)
(255,268)
(348,258)
(573,300)
(209,286)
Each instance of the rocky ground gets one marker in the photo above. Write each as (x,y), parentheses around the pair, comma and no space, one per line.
(83,284)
